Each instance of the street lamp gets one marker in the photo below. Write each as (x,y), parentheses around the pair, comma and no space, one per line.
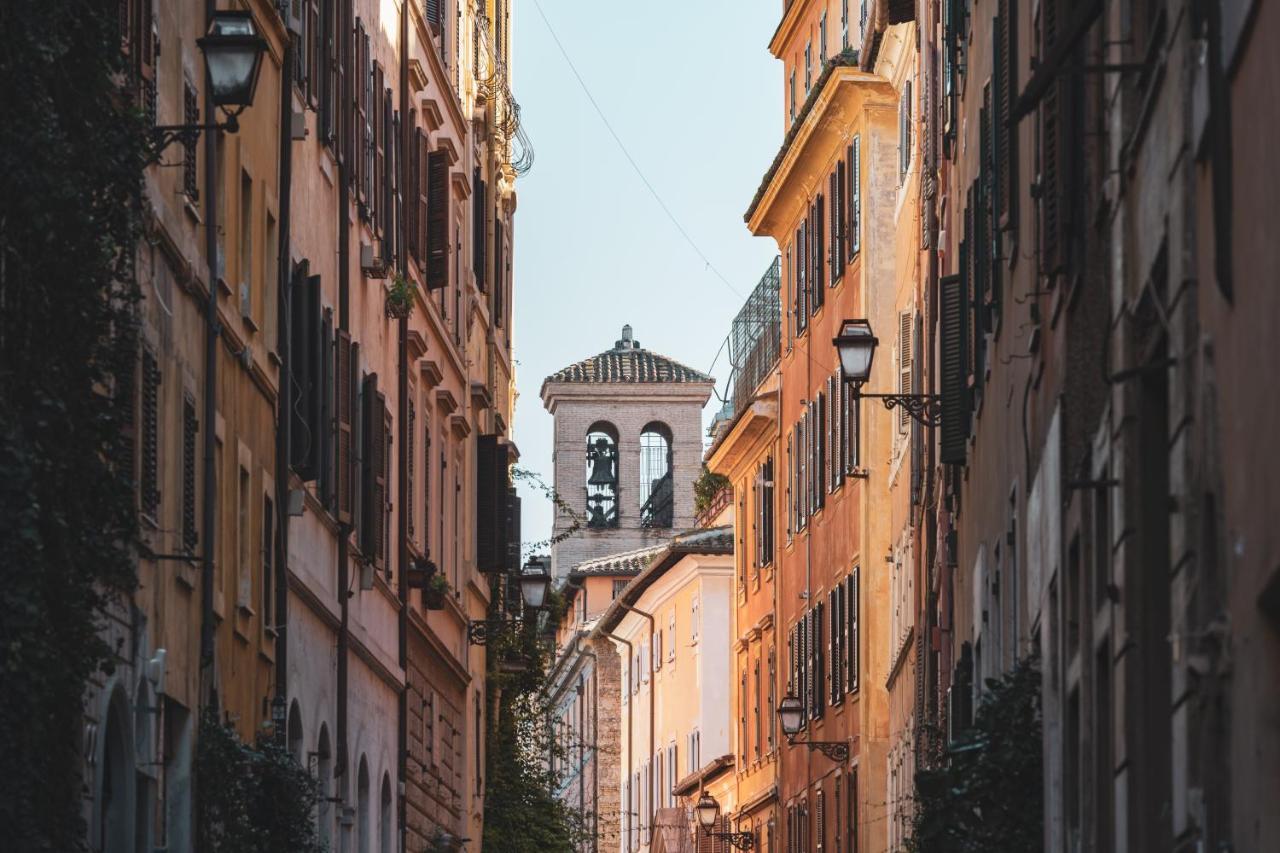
(791,718)
(856,346)
(534,585)
(232,52)
(708,811)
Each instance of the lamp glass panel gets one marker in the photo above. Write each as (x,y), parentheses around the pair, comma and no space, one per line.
(533,589)
(708,811)
(231,72)
(790,712)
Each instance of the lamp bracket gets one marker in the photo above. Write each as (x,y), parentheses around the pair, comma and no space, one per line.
(836,750)
(167,134)
(925,409)
(480,631)
(740,840)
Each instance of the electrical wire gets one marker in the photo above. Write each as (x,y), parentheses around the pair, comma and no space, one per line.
(616,138)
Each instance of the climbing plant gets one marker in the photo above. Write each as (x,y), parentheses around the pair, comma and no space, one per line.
(72,148)
(576,519)
(986,796)
(254,798)
(522,813)
(706,487)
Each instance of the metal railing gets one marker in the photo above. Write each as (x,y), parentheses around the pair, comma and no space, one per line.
(755,338)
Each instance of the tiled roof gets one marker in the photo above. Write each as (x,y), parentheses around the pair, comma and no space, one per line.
(628,362)
(624,563)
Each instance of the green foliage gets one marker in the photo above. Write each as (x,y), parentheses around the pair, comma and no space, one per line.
(72,148)
(988,795)
(521,811)
(706,487)
(577,521)
(400,297)
(252,799)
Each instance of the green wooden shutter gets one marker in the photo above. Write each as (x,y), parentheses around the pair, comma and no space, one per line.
(953,368)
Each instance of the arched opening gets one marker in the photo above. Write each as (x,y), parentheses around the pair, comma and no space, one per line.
(602,475)
(384,817)
(657,503)
(362,807)
(145,713)
(324,779)
(294,732)
(115,796)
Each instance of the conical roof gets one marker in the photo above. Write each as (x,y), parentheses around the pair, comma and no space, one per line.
(628,363)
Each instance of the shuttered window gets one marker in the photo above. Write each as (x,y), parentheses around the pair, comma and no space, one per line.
(149,477)
(802,279)
(267,602)
(315,52)
(191,116)
(304,367)
(345,392)
(839,225)
(328,79)
(953,369)
(437,220)
(479,236)
(851,640)
(190,430)
(1005,78)
(905,354)
(904,131)
(855,196)
(819,256)
(411,467)
(373,482)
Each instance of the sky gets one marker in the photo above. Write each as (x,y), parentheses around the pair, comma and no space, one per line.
(690,88)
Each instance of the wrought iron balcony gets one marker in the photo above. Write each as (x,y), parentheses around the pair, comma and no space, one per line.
(755,338)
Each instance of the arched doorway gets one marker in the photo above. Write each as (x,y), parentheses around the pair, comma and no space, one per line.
(116,788)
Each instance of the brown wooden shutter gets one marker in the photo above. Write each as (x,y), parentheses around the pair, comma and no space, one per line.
(390,185)
(491,495)
(1005,81)
(953,337)
(378,117)
(819,252)
(190,430)
(305,365)
(371,497)
(854,639)
(324,424)
(345,388)
(361,109)
(150,475)
(437,220)
(499,267)
(315,50)
(328,76)
(514,530)
(385,539)
(479,208)
(904,366)
(855,197)
(411,468)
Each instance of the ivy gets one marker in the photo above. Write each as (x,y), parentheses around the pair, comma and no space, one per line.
(706,487)
(72,149)
(253,798)
(577,521)
(987,796)
(522,813)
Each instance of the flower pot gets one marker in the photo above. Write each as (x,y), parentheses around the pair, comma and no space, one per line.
(433,599)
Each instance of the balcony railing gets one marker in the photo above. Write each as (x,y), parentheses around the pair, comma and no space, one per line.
(755,338)
(658,510)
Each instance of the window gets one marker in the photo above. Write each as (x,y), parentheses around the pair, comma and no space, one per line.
(844,31)
(657,651)
(905,323)
(602,475)
(268,563)
(246,245)
(904,132)
(190,115)
(791,89)
(850,642)
(656,488)
(855,196)
(149,477)
(618,586)
(671,629)
(808,68)
(742,718)
(771,701)
(764,520)
(190,428)
(244,569)
(756,720)
(693,621)
(822,38)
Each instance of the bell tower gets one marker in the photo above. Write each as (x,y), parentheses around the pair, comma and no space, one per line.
(628,448)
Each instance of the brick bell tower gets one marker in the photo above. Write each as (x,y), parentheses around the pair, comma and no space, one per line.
(628,448)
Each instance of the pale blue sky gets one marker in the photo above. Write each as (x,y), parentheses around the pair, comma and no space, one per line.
(691,89)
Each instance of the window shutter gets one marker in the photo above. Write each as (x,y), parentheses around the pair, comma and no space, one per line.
(390,186)
(413,191)
(325,418)
(1005,81)
(819,660)
(855,196)
(479,208)
(833,228)
(328,74)
(315,49)
(437,220)
(410,451)
(434,13)
(190,429)
(917,430)
(499,266)
(491,494)
(953,344)
(384,545)
(854,639)
(819,251)
(304,365)
(190,115)
(904,366)
(360,71)
(371,468)
(345,388)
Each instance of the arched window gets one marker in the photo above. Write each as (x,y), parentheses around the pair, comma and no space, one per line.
(363,815)
(324,775)
(602,475)
(656,493)
(384,817)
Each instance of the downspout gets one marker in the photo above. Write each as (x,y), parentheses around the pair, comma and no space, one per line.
(402,433)
(653,685)
(284,391)
(631,753)
(344,530)
(208,694)
(595,747)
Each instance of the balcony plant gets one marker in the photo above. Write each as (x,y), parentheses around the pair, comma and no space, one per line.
(400,297)
(435,592)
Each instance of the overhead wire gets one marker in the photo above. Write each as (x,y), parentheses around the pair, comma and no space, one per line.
(621,146)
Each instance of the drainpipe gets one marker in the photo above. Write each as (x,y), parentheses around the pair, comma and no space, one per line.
(344,530)
(402,433)
(212,330)
(653,685)
(284,391)
(631,753)
(595,748)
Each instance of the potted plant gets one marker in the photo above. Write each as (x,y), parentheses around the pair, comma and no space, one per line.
(434,593)
(400,297)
